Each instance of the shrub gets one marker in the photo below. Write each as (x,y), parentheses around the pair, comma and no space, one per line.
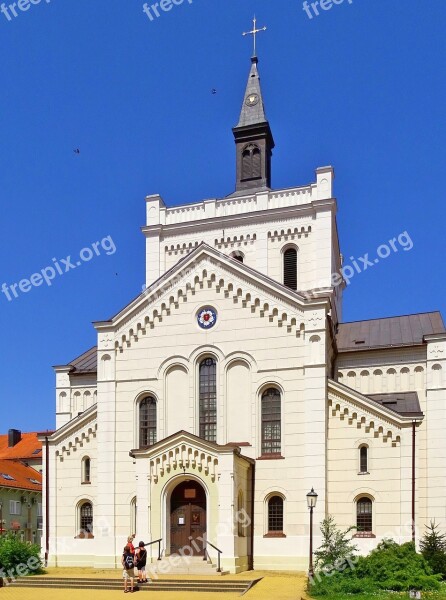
(336,547)
(14,552)
(433,548)
(390,567)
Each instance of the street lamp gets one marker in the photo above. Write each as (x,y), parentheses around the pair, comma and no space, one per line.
(311,501)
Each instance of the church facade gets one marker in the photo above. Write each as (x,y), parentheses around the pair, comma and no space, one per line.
(231,386)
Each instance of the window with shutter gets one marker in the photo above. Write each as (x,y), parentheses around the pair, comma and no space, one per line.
(290,268)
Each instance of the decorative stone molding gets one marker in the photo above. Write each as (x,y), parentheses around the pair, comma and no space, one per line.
(159,306)
(289,234)
(364,417)
(183,456)
(395,378)
(76,441)
(105,341)
(241,240)
(180,249)
(436,351)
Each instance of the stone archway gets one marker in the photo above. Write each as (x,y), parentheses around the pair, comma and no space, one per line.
(188,518)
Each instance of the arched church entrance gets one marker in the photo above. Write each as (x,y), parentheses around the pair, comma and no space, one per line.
(188,518)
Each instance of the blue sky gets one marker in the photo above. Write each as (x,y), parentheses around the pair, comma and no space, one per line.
(360,87)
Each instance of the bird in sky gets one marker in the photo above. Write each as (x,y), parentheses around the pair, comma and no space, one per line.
(76,151)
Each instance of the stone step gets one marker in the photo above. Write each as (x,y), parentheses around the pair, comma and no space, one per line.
(171,585)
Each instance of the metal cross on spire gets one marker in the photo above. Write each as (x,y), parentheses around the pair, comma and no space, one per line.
(254,33)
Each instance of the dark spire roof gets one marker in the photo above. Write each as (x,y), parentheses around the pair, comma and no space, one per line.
(253,138)
(253,108)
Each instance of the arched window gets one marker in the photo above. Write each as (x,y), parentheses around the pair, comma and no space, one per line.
(86,470)
(208,399)
(237,255)
(290,268)
(364,514)
(363,459)
(86,520)
(147,422)
(271,422)
(133,514)
(251,162)
(275,515)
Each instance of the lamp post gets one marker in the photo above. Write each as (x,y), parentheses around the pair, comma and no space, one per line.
(311,501)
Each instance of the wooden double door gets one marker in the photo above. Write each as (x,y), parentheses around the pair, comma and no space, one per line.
(188,518)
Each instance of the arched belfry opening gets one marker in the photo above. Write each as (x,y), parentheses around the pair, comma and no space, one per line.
(188,518)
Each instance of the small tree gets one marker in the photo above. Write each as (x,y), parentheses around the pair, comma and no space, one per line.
(433,548)
(14,552)
(336,546)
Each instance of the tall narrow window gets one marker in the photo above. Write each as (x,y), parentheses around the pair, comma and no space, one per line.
(363,459)
(275,514)
(208,399)
(147,422)
(86,470)
(364,514)
(290,268)
(240,514)
(133,514)
(271,422)
(86,520)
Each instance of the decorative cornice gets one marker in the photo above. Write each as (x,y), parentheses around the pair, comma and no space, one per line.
(203,267)
(365,414)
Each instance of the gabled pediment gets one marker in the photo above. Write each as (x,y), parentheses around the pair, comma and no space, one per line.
(206,268)
(183,451)
(362,412)
(74,434)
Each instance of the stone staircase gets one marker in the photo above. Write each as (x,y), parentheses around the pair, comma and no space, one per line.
(192,565)
(220,585)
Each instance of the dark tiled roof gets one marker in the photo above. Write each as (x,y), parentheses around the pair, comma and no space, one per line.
(86,362)
(387,333)
(404,403)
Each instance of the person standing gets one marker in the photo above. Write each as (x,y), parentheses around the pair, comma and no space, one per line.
(130,544)
(141,561)
(128,564)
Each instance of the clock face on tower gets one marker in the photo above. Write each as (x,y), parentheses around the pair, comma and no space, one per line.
(252,100)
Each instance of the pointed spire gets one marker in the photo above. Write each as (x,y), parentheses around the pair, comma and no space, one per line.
(253,138)
(253,108)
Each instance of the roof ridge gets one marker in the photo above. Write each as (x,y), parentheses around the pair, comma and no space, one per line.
(428,312)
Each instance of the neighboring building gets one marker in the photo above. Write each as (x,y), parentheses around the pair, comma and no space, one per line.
(25,447)
(21,484)
(20,500)
(232,386)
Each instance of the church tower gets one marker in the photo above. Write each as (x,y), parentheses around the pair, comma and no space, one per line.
(253,139)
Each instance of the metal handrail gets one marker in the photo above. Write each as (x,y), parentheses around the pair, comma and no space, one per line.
(220,552)
(159,546)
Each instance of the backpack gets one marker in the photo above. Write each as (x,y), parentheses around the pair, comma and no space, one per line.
(128,561)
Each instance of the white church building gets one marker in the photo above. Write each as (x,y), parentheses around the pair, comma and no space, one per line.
(231,386)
